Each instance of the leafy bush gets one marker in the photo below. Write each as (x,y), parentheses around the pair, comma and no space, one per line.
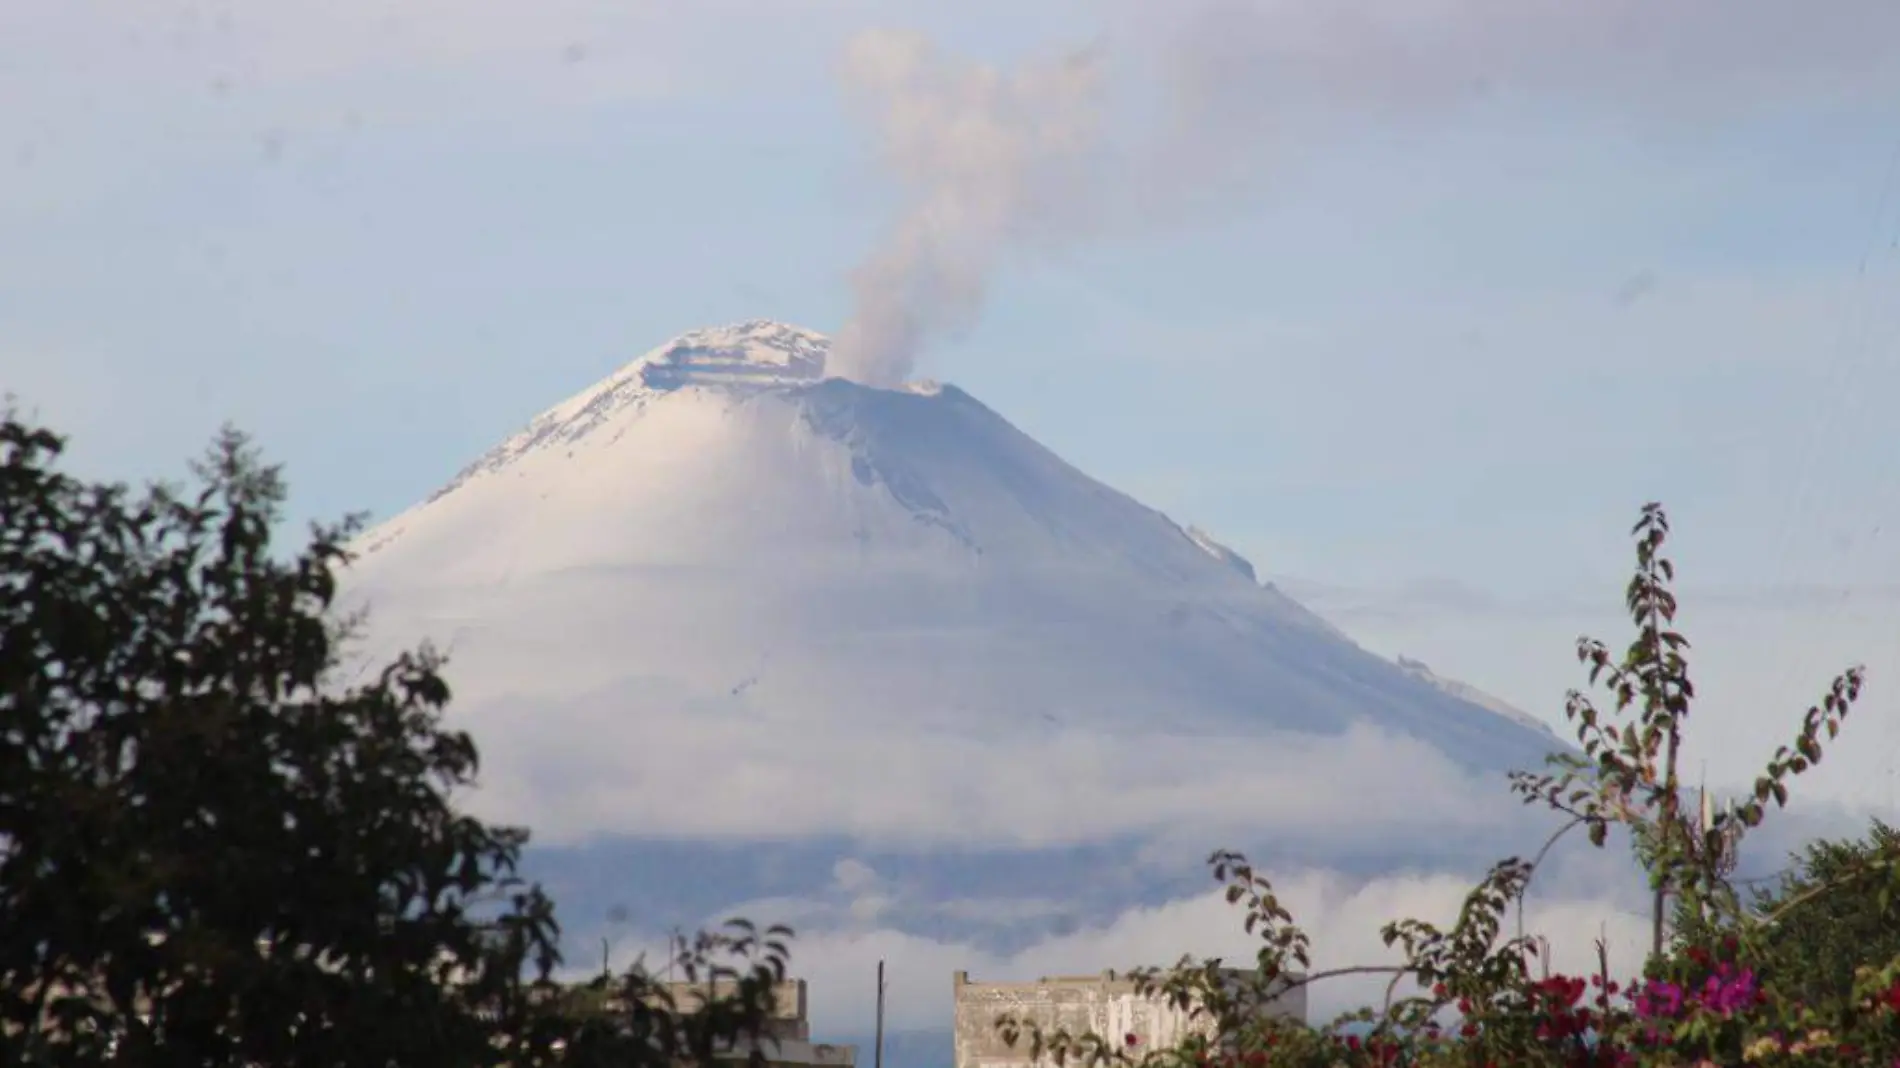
(1773,980)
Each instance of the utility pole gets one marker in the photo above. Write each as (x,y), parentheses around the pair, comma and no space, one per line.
(877,1054)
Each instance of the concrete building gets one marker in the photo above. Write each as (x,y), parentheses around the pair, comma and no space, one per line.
(788,1035)
(1103,1004)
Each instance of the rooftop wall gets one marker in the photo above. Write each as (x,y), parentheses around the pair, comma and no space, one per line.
(789,1033)
(788,998)
(1103,1004)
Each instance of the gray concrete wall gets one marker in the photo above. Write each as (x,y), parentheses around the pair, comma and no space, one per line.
(789,1018)
(1102,1004)
(789,1031)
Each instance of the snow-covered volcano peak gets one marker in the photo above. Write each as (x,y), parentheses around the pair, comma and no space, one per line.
(718,530)
(740,359)
(758,352)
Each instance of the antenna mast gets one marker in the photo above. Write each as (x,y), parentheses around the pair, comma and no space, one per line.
(877,1054)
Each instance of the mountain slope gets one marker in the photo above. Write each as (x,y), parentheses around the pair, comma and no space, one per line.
(718,594)
(1464,691)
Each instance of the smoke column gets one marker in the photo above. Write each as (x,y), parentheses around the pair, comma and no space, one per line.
(986,160)
(993,163)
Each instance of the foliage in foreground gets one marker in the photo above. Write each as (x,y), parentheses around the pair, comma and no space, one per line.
(1805,974)
(210,855)
(1832,919)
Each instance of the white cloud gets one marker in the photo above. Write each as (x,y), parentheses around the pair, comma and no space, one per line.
(1340,914)
(377,60)
(1702,55)
(1579,895)
(726,778)
(1351,54)
(418,40)
(854,876)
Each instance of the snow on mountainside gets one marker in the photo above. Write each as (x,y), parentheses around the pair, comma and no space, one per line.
(720,594)
(751,355)
(1222,553)
(1467,692)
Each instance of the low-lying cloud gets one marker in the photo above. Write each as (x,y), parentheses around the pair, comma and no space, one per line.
(1364,789)
(1342,914)
(1581,894)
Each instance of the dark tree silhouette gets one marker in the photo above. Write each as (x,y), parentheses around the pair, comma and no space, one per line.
(212,854)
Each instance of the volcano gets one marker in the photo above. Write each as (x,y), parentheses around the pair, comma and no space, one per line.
(734,636)
(718,555)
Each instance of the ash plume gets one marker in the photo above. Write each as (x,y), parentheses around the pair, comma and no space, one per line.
(993,163)
(987,160)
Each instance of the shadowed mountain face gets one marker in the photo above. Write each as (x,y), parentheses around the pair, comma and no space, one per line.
(720,623)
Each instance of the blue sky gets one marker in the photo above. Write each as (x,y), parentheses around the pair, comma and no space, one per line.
(1413,303)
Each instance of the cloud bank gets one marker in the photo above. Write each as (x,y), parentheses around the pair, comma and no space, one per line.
(924,934)
(1341,914)
(1364,790)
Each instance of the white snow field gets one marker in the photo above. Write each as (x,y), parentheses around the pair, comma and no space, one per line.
(718,594)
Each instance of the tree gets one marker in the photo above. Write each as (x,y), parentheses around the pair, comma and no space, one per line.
(1826,918)
(1629,774)
(211,855)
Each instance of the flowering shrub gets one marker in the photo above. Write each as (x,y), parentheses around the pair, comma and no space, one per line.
(1709,995)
